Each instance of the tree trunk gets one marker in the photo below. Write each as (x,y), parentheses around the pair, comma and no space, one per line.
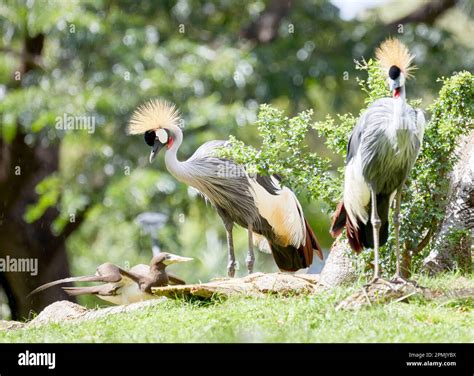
(405,262)
(21,168)
(427,13)
(452,245)
(265,28)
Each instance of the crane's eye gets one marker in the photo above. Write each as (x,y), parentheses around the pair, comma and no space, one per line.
(150,137)
(162,135)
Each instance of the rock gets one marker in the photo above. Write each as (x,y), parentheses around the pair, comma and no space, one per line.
(383,292)
(9,325)
(58,312)
(103,312)
(256,284)
(339,268)
(64,310)
(379,293)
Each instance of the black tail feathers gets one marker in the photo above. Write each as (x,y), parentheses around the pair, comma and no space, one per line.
(362,236)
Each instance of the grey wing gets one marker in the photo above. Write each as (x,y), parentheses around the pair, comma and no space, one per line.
(354,140)
(420,125)
(417,125)
(208,149)
(372,117)
(223,182)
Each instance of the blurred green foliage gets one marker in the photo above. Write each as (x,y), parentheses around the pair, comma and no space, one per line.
(103,58)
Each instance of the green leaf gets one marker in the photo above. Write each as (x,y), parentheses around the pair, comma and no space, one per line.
(9,127)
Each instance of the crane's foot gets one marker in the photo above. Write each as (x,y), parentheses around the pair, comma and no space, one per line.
(377,280)
(250,268)
(231,267)
(398,279)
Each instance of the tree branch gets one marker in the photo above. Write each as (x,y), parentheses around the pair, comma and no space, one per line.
(265,28)
(427,13)
(424,242)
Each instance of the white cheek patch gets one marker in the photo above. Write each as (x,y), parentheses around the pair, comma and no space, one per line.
(162,136)
(402,79)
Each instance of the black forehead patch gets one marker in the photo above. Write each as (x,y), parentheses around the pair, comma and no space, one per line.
(394,72)
(150,137)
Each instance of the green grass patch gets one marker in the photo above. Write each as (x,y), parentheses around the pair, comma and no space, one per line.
(276,319)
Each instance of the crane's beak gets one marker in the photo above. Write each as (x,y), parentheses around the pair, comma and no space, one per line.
(174,259)
(395,87)
(155,150)
(394,84)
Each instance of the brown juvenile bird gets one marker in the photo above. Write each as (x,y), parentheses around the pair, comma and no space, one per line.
(124,286)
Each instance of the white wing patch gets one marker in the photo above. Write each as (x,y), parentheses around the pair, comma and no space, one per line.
(356,191)
(282,211)
(420,124)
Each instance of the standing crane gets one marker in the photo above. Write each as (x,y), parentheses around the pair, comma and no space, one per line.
(260,204)
(382,150)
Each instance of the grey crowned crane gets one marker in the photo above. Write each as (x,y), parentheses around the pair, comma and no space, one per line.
(382,150)
(259,204)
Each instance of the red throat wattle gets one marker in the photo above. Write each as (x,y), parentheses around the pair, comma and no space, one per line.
(396,92)
(170,143)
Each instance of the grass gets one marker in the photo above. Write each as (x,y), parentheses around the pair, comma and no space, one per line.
(276,319)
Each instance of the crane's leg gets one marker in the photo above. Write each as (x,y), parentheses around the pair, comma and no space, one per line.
(229,225)
(397,278)
(396,227)
(250,260)
(376,223)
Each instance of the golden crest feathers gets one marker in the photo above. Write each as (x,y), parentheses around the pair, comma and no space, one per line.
(154,114)
(393,52)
